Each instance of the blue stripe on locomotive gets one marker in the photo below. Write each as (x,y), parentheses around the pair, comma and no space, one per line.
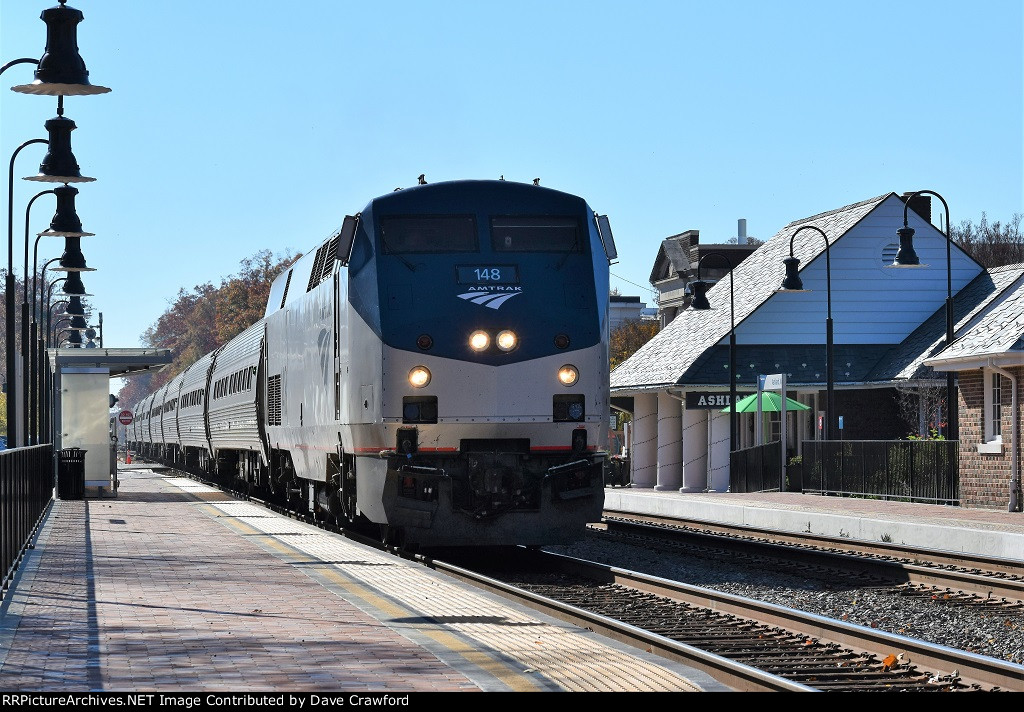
(402,299)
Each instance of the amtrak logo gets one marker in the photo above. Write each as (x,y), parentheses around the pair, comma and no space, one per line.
(492,297)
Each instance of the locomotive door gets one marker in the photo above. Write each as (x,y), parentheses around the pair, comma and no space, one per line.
(337,347)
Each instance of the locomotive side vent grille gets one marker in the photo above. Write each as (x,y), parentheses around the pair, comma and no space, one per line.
(318,266)
(330,257)
(274,400)
(287,283)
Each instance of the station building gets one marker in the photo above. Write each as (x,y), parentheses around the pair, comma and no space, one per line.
(887,322)
(988,358)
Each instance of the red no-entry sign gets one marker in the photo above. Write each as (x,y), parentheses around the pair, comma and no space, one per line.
(124,417)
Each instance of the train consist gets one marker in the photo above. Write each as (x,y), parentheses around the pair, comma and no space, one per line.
(438,367)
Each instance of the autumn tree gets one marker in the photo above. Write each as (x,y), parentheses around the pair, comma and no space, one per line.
(629,336)
(205,318)
(991,244)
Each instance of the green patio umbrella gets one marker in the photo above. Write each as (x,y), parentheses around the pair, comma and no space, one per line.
(770,403)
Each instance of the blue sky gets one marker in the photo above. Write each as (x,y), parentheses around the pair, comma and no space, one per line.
(236,127)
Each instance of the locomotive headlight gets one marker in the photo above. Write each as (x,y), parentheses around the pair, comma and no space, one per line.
(479,340)
(419,376)
(568,375)
(506,340)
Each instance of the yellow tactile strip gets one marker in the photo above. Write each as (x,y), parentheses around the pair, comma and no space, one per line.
(143,592)
(415,600)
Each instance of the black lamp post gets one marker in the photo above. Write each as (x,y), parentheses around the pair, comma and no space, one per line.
(907,257)
(34,309)
(38,348)
(95,338)
(59,72)
(73,339)
(49,321)
(793,283)
(19,437)
(700,301)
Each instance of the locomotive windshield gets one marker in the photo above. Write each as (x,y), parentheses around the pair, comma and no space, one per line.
(535,234)
(428,233)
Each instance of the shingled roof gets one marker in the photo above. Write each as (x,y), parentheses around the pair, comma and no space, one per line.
(973,302)
(673,257)
(998,329)
(665,360)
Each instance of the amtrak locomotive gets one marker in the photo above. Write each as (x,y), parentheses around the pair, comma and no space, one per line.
(438,367)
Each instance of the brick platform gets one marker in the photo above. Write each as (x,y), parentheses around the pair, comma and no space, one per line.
(173,587)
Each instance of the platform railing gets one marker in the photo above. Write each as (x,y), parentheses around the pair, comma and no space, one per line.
(26,490)
(924,471)
(756,469)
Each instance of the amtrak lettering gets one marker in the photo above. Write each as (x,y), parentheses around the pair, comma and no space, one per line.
(708,401)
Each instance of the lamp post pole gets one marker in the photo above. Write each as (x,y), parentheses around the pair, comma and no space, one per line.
(39,342)
(21,435)
(793,283)
(34,371)
(700,301)
(49,314)
(10,363)
(45,391)
(908,258)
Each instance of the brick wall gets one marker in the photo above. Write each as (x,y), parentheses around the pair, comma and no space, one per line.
(985,478)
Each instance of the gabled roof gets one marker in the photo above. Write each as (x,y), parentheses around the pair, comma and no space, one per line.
(995,332)
(972,308)
(665,360)
(673,256)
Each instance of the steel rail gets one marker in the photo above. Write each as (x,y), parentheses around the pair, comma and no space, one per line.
(974,562)
(938,659)
(742,677)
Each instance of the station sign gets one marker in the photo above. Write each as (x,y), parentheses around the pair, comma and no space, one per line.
(709,400)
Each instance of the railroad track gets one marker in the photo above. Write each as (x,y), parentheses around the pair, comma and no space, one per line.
(716,631)
(961,578)
(747,644)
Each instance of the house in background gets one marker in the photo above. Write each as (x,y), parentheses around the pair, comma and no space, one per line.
(622,308)
(887,321)
(675,267)
(988,358)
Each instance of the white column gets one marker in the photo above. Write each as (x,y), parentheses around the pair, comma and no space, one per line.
(695,450)
(719,451)
(670,443)
(645,440)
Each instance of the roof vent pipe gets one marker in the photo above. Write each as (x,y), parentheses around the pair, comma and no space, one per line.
(741,231)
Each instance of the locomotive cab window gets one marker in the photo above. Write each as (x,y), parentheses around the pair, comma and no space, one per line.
(535,234)
(428,233)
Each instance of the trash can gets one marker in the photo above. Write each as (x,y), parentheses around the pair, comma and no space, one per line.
(617,472)
(71,473)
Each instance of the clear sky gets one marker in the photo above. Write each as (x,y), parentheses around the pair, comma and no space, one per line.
(239,126)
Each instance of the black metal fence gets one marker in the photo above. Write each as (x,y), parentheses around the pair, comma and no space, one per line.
(26,489)
(756,469)
(907,470)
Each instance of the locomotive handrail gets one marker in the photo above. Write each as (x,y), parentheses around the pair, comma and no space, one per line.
(424,470)
(567,467)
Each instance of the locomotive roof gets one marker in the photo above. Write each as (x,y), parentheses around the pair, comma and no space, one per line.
(492,195)
(472,188)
